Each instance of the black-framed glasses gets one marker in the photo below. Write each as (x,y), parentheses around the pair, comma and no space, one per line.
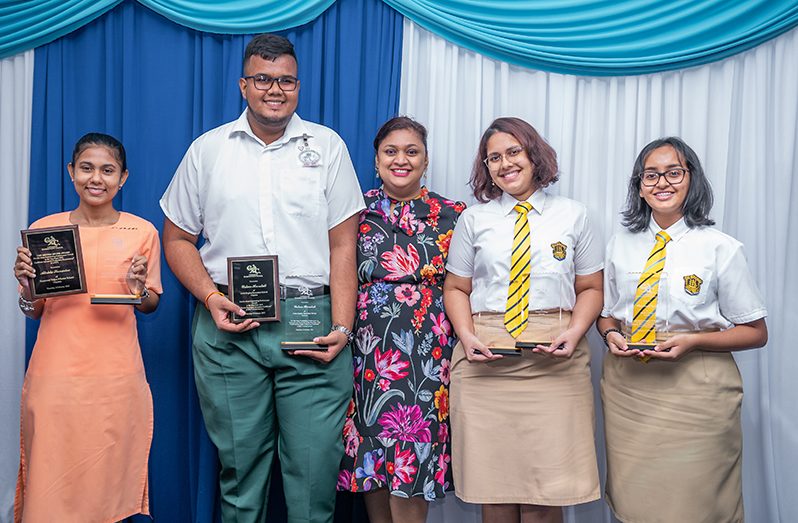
(494,161)
(264,82)
(672,176)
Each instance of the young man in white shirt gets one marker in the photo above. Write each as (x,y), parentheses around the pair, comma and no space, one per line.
(269,183)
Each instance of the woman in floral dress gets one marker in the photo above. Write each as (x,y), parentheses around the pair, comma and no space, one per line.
(396,434)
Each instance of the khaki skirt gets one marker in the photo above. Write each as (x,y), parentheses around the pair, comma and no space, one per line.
(674,441)
(523,427)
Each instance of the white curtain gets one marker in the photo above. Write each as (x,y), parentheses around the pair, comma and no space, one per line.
(741,117)
(16,92)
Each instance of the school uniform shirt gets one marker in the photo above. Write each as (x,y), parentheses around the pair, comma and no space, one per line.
(247,198)
(705,285)
(562,246)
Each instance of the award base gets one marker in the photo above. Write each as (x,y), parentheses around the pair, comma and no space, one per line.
(640,346)
(505,351)
(115,299)
(302,345)
(531,344)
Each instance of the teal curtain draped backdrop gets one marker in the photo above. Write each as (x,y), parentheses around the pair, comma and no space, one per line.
(604,38)
(584,37)
(156,86)
(25,25)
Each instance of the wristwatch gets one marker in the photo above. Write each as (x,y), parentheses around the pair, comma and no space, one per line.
(340,328)
(145,293)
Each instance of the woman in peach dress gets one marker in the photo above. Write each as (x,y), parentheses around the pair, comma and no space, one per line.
(86,421)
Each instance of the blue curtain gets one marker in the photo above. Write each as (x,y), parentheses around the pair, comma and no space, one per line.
(600,38)
(156,86)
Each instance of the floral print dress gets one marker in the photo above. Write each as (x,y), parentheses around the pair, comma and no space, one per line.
(396,433)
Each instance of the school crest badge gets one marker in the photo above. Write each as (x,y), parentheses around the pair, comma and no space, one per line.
(558,250)
(692,284)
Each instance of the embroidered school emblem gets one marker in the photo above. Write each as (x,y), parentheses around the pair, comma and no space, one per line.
(558,250)
(692,284)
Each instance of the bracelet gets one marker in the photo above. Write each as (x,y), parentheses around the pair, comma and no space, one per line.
(340,328)
(209,297)
(607,333)
(25,305)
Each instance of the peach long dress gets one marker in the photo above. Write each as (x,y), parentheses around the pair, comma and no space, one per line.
(86,422)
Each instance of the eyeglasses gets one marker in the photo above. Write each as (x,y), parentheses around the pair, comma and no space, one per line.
(494,161)
(263,82)
(672,176)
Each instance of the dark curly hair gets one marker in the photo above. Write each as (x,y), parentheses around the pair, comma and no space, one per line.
(540,153)
(697,204)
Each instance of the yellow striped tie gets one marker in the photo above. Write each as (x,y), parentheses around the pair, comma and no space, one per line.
(645,307)
(515,316)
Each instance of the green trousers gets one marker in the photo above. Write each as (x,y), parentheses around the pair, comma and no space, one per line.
(254,397)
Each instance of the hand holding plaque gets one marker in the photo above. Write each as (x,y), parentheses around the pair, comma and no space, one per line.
(305,318)
(57,261)
(253,285)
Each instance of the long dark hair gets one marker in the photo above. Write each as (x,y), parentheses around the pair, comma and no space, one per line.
(540,153)
(105,140)
(697,204)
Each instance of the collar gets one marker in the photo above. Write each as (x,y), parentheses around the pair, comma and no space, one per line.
(538,200)
(295,129)
(675,231)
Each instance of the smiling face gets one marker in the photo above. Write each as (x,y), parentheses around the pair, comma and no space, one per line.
(401,161)
(666,199)
(510,168)
(97,176)
(270,110)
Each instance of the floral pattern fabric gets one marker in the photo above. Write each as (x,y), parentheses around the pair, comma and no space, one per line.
(396,433)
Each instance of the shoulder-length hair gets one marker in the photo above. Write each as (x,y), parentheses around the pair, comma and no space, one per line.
(540,153)
(697,204)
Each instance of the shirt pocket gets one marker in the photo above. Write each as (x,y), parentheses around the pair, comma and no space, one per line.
(688,286)
(301,191)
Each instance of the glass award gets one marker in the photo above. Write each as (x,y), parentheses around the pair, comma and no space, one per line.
(550,287)
(254,285)
(632,324)
(547,292)
(305,317)
(109,281)
(57,259)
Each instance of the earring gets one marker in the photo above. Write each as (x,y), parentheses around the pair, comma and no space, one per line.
(377,171)
(424,176)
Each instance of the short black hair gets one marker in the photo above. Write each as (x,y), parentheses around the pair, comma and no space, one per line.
(105,140)
(398,123)
(269,47)
(697,204)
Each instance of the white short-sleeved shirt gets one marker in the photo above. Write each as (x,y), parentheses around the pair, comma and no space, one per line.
(250,199)
(561,241)
(705,285)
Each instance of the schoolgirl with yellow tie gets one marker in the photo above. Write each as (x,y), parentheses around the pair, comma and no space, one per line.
(678,297)
(524,270)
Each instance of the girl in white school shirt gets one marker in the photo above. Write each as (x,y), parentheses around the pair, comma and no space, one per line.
(522,426)
(673,433)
